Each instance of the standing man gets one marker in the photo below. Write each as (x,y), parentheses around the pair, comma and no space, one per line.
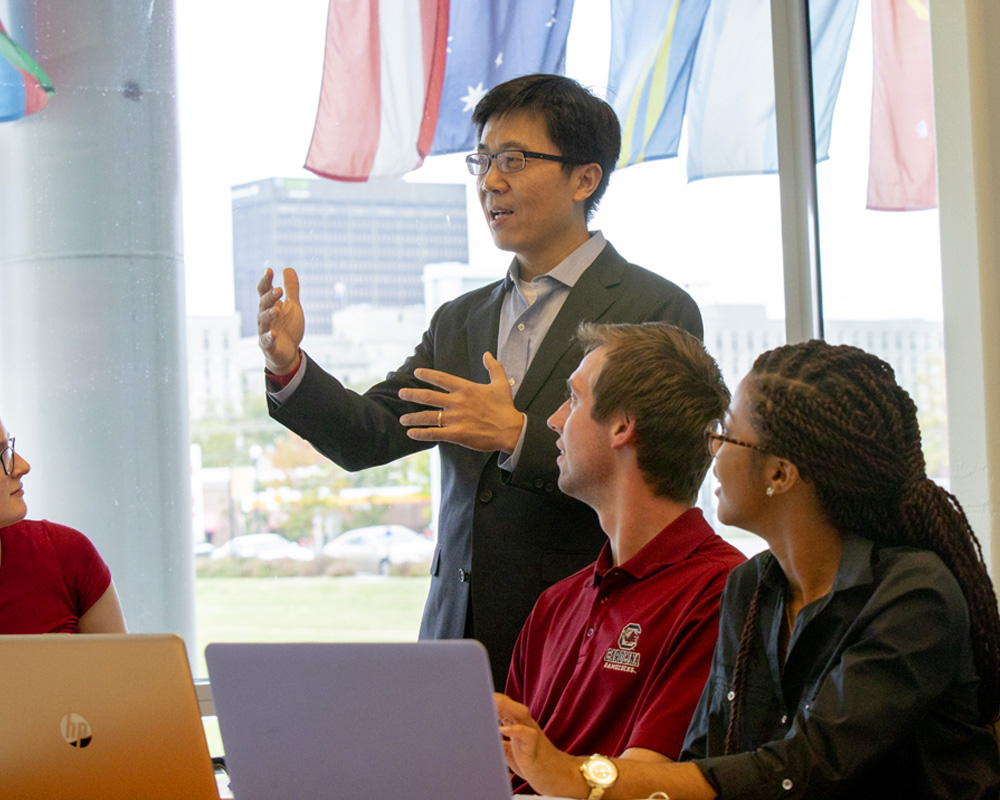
(613,659)
(492,366)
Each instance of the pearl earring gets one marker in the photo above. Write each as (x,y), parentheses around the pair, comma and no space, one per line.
(769,491)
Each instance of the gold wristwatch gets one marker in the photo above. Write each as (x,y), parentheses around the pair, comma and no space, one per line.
(600,773)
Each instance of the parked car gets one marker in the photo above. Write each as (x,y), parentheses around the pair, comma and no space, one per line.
(263,547)
(379,547)
(203,549)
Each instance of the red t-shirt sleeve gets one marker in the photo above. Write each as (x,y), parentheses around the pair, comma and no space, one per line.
(51,575)
(87,575)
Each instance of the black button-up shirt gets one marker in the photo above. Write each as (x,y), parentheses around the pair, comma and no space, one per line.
(877,696)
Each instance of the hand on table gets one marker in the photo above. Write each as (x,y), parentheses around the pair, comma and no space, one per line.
(531,754)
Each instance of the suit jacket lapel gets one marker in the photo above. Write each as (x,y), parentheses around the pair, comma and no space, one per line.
(484,329)
(593,293)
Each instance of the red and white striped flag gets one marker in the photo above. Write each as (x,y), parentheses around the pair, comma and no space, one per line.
(382,76)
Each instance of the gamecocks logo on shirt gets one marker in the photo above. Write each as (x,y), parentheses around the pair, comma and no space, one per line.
(629,637)
(624,658)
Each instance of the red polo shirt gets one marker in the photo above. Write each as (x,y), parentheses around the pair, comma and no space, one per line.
(616,657)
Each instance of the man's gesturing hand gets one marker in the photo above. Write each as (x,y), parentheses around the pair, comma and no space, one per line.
(480,416)
(280,323)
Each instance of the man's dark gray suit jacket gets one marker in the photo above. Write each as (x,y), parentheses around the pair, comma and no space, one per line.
(503,537)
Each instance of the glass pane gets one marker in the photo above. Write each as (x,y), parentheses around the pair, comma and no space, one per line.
(244,123)
(881,269)
(720,239)
(93,288)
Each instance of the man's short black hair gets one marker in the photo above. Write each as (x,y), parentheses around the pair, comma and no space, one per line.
(583,126)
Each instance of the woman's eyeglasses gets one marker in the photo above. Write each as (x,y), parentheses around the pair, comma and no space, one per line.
(7,457)
(714,437)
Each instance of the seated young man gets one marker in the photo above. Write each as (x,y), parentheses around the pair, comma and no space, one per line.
(613,659)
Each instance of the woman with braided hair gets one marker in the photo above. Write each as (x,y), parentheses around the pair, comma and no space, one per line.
(860,655)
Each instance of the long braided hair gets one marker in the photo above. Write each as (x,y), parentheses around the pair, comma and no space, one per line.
(838,414)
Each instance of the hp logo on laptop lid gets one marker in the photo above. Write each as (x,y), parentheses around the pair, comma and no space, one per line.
(75,730)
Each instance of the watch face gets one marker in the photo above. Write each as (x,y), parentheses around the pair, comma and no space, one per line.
(600,771)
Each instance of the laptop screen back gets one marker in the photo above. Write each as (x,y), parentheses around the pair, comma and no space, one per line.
(111,716)
(414,721)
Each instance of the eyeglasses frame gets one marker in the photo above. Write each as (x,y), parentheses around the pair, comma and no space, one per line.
(714,440)
(3,457)
(470,161)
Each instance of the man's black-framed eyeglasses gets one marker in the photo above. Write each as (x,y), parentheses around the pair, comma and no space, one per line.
(507,161)
(714,437)
(7,457)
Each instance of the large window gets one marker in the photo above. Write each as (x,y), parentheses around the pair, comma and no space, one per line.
(881,270)
(720,239)
(91,402)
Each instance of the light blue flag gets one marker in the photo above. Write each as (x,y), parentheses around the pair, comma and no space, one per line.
(653,44)
(731,117)
(489,42)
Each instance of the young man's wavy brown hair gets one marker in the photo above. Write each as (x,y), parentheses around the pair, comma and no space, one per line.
(661,377)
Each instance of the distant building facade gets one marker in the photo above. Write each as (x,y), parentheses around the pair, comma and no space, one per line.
(351,243)
(214,350)
(365,342)
(736,334)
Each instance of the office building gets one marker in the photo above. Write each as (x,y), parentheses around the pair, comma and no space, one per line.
(213,348)
(351,243)
(736,334)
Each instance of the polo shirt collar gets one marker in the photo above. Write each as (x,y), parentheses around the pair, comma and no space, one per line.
(569,270)
(672,545)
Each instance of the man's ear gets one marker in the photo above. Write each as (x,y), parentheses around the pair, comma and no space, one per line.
(783,475)
(622,432)
(587,176)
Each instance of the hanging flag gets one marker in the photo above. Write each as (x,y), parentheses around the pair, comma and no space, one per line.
(489,42)
(653,44)
(24,86)
(382,73)
(401,78)
(902,172)
(731,116)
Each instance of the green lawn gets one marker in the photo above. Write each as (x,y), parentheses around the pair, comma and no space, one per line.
(355,609)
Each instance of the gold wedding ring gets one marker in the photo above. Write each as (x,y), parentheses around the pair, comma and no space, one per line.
(440,414)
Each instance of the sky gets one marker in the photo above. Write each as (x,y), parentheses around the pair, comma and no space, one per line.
(248,85)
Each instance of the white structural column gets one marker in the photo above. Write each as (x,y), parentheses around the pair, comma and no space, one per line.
(796,131)
(92,297)
(966,59)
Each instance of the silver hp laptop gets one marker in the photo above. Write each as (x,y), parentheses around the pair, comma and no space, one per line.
(411,721)
(102,717)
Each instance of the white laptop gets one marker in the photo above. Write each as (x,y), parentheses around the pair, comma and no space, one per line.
(100,717)
(412,721)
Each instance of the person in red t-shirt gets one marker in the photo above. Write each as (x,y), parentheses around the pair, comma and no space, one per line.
(52,579)
(613,659)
